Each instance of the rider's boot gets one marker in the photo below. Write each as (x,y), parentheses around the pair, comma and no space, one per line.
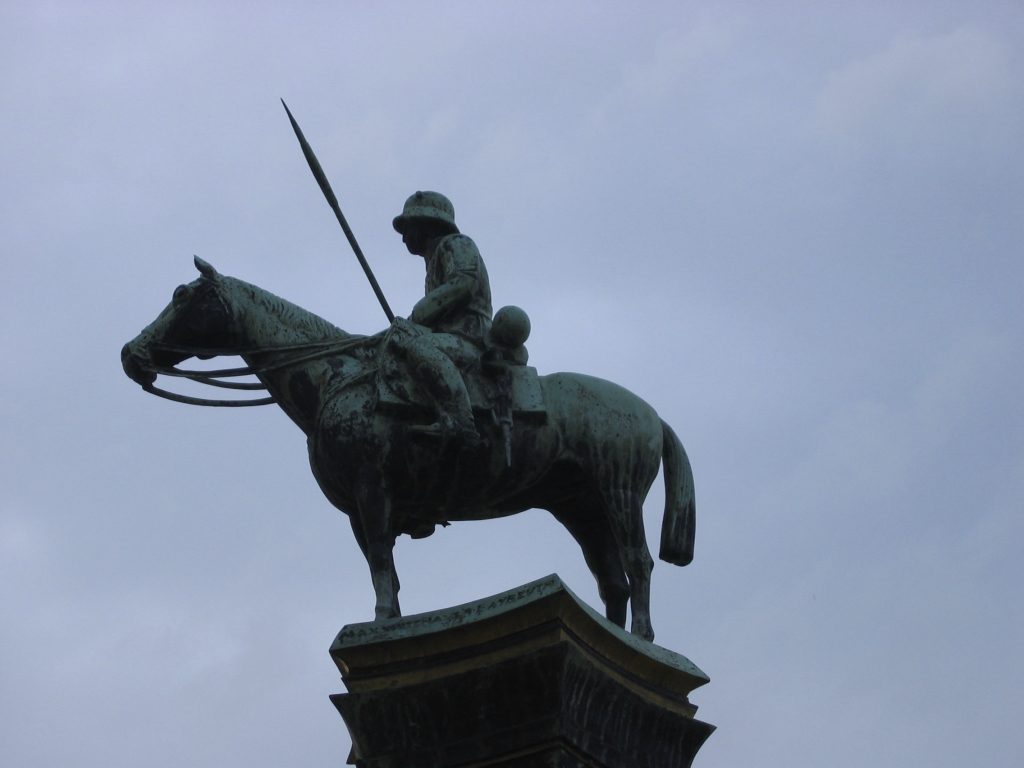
(451,399)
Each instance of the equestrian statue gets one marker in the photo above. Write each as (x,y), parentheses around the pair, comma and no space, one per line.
(438,418)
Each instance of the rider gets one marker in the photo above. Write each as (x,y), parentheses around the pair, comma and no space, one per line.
(456,308)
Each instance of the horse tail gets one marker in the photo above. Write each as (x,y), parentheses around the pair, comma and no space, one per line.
(677,526)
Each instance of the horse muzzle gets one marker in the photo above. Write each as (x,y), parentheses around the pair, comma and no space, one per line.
(137,365)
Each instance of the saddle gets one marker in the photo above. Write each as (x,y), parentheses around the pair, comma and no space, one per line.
(503,389)
(497,388)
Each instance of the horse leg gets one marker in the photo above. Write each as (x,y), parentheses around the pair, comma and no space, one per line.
(625,517)
(599,550)
(378,544)
(357,531)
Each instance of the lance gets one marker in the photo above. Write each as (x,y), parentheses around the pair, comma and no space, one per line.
(325,187)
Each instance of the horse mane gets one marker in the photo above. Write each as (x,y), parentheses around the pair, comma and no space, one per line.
(305,325)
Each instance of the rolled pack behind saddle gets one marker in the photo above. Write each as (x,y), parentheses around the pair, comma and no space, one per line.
(502,388)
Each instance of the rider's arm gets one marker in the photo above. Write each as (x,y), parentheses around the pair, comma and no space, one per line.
(461,267)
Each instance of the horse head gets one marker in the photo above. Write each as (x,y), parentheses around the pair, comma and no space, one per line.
(294,354)
(196,323)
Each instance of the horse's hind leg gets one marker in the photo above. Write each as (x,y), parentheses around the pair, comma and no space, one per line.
(625,517)
(595,538)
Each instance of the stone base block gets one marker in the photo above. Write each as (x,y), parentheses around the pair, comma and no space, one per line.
(532,677)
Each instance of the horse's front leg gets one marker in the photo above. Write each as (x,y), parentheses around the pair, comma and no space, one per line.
(376,522)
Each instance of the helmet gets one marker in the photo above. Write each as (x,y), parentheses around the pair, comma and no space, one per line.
(427,205)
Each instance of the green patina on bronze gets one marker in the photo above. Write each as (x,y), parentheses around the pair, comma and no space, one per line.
(438,418)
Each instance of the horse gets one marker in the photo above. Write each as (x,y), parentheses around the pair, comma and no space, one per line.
(590,462)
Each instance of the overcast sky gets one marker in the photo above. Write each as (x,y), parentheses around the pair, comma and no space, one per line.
(794,228)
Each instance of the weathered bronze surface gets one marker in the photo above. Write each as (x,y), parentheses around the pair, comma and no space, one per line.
(438,418)
(584,449)
(530,677)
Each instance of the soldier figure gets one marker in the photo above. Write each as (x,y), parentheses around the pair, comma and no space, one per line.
(456,308)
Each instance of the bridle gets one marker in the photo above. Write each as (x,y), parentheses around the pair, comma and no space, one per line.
(315,350)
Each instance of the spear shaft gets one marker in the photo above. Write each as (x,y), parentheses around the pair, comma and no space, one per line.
(325,187)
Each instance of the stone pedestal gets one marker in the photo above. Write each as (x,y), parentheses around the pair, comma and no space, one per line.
(530,677)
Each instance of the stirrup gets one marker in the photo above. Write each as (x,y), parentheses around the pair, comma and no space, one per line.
(442,428)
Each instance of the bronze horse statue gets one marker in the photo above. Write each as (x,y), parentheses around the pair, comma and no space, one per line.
(590,463)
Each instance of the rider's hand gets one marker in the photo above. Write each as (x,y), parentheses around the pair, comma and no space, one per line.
(409,326)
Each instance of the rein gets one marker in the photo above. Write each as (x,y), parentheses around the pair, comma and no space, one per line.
(203,401)
(307,352)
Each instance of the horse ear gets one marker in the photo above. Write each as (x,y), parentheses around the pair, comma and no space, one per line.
(205,268)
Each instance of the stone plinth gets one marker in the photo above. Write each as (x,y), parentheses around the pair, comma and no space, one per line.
(530,677)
